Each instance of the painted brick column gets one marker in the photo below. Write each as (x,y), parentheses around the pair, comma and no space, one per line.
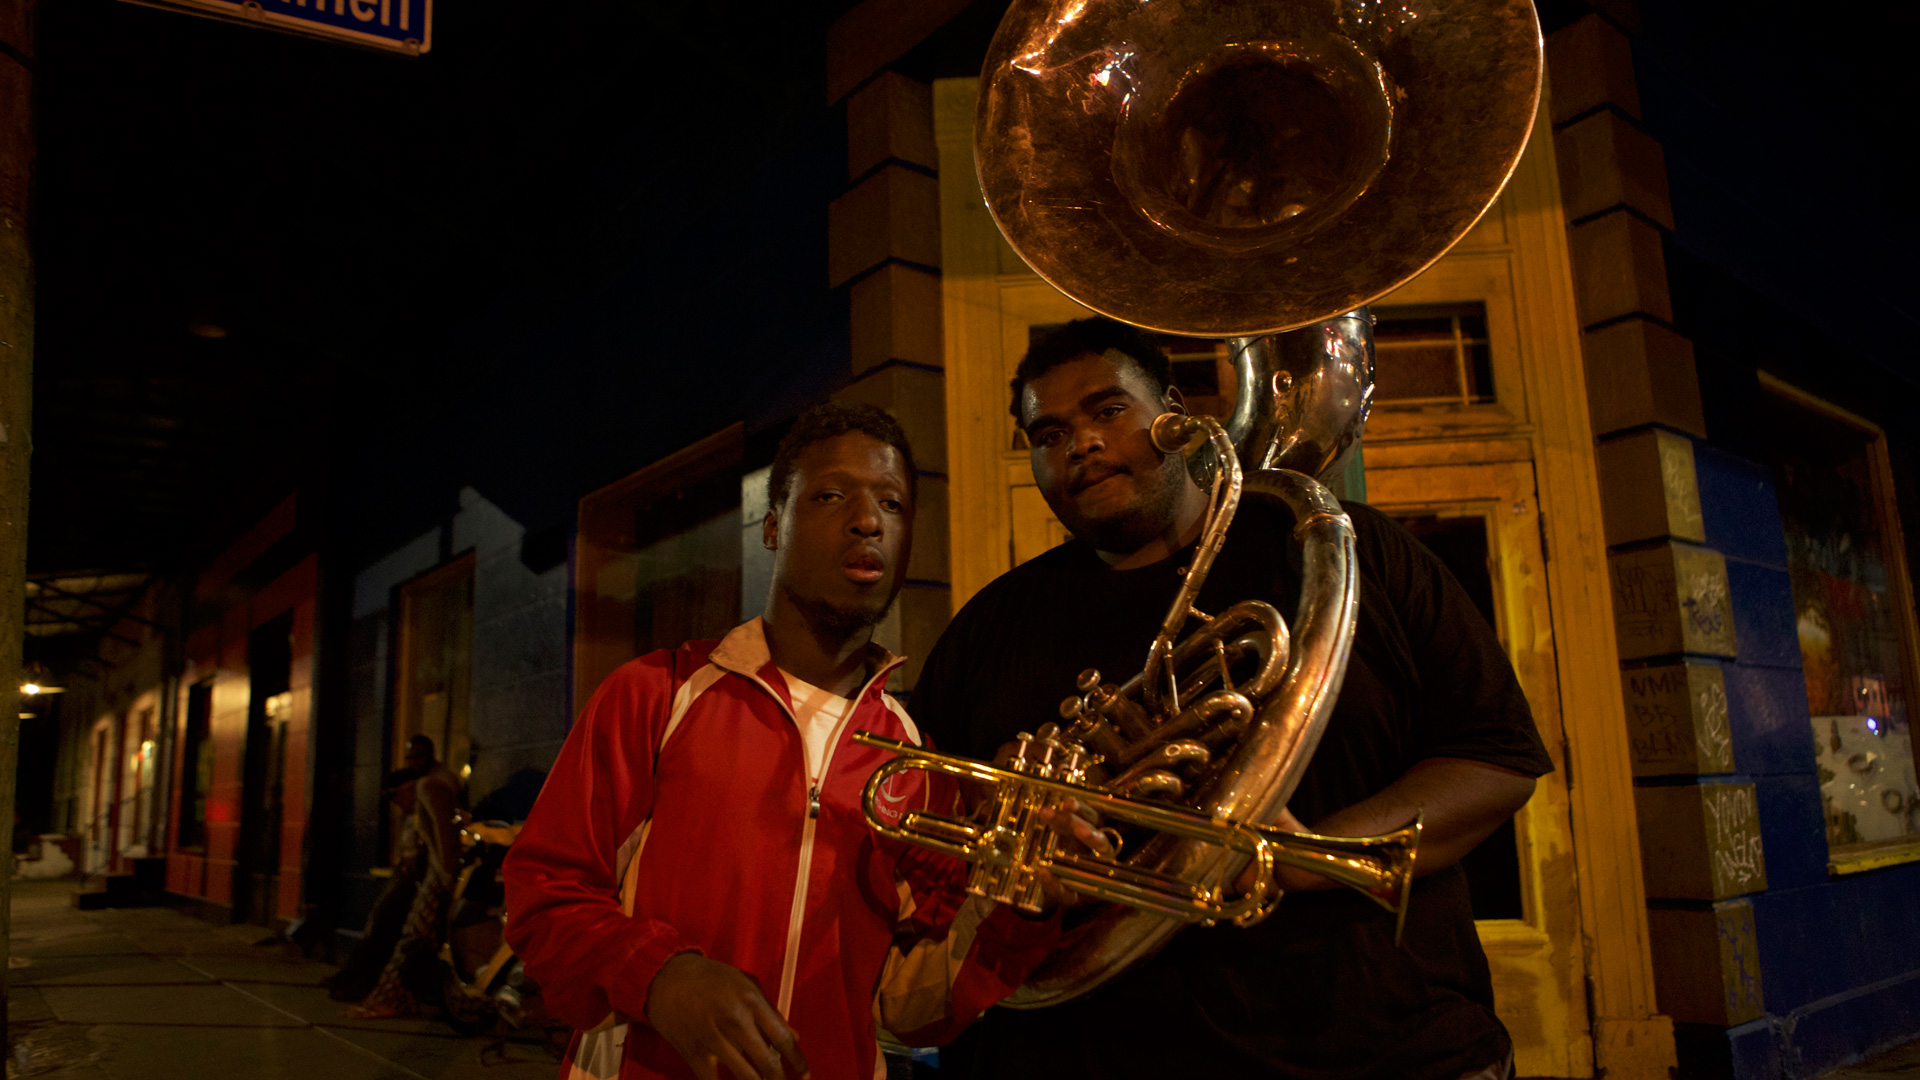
(1716,709)
(1773,753)
(883,247)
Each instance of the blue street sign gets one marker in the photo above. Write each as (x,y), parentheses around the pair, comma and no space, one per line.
(404,26)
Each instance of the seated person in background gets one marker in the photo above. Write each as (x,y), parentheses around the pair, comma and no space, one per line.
(697,888)
(395,965)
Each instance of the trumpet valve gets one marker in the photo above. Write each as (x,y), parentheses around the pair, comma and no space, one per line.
(1079,760)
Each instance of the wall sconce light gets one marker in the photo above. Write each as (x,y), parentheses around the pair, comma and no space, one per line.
(35,680)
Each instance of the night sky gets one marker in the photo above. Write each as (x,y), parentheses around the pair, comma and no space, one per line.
(517,262)
(575,237)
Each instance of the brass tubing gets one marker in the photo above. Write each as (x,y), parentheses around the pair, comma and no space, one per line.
(1260,620)
(1212,537)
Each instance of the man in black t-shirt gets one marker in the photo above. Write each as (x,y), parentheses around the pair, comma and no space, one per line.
(1430,718)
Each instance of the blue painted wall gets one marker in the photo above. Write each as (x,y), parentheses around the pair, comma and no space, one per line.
(1839,958)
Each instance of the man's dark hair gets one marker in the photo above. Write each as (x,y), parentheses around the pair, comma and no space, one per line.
(1093,335)
(824,422)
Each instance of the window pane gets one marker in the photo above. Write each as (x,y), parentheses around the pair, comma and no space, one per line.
(1424,354)
(1432,354)
(197,775)
(1473,333)
(687,567)
(1412,370)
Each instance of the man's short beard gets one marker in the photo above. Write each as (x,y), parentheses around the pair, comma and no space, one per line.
(835,621)
(1140,523)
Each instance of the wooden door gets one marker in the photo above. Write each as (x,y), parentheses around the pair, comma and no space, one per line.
(433,674)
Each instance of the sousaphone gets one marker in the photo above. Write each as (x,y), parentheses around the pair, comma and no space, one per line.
(1257,170)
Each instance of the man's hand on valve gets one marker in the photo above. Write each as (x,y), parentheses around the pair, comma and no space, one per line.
(1078,828)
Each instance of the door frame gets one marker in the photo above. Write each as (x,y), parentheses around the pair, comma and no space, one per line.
(1538,970)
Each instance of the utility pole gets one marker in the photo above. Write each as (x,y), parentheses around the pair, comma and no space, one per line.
(16,414)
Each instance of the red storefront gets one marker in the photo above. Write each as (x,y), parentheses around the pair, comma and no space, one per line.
(240,771)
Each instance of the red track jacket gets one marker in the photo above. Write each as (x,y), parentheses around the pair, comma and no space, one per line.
(680,817)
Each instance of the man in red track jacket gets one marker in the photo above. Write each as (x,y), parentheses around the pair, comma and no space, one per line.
(697,887)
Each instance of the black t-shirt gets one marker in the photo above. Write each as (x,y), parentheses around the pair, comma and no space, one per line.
(1319,989)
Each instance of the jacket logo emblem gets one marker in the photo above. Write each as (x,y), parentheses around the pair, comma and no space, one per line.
(890,801)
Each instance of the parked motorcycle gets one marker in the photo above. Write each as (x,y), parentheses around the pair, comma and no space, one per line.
(484,983)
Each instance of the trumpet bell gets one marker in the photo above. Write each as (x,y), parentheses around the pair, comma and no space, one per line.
(1224,170)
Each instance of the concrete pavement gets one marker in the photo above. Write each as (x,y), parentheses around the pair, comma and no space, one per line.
(152,994)
(1902,1063)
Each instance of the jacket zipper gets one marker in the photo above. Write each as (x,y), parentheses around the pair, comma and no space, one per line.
(796,919)
(790,966)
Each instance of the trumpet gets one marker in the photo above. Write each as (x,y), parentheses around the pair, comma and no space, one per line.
(1009,849)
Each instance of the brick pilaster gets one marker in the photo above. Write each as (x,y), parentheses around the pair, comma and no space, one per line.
(883,247)
(1675,603)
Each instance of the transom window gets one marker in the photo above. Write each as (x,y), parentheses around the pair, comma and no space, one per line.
(1424,355)
(1432,354)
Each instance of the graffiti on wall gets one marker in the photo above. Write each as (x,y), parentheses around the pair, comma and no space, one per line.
(1677,719)
(1733,838)
(1670,599)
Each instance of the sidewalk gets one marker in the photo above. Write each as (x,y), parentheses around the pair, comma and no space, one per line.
(1900,1063)
(151,994)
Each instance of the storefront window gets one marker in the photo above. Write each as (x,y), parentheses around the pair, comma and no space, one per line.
(1853,610)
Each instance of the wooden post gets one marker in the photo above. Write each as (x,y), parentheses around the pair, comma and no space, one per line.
(16,410)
